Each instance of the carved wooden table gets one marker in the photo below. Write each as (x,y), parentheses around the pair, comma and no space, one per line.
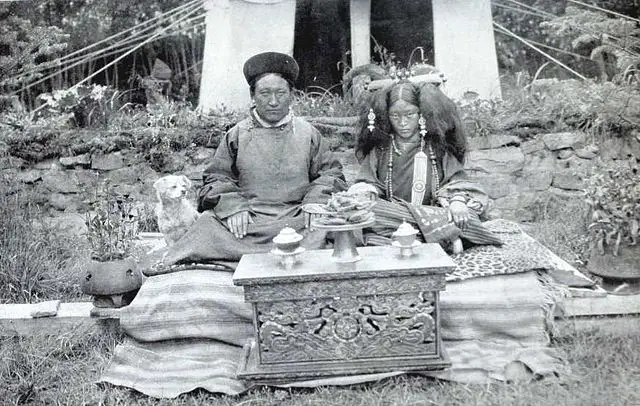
(325,318)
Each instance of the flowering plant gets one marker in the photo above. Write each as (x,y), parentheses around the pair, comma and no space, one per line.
(87,104)
(614,198)
(113,227)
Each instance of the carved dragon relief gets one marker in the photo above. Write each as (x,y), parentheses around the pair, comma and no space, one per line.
(347,328)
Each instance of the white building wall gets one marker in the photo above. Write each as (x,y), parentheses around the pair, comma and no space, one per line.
(465,47)
(237,30)
(360,13)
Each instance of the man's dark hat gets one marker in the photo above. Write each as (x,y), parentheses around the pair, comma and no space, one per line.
(271,62)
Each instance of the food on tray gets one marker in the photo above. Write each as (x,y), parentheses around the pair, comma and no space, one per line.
(341,209)
(363,191)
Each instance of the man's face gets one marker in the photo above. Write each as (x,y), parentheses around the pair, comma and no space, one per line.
(272,97)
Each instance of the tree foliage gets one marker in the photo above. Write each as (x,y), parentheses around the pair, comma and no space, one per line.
(526,23)
(589,41)
(75,25)
(25,46)
(612,42)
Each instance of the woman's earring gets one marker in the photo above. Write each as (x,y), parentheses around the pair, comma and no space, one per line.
(423,126)
(372,120)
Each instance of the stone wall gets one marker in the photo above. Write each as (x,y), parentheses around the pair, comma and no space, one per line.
(520,174)
(68,187)
(516,173)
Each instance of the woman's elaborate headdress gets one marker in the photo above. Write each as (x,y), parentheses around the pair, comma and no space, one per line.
(441,121)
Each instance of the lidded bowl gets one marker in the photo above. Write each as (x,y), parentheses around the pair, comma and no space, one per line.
(287,240)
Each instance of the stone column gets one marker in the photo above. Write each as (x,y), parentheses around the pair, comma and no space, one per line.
(236,30)
(360,11)
(465,47)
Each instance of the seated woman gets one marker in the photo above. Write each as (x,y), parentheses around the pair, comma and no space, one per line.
(411,147)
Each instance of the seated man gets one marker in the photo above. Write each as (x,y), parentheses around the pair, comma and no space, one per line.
(264,169)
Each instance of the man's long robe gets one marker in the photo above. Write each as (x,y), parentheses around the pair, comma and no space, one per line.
(268,172)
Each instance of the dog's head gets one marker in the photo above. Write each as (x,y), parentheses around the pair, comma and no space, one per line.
(172,187)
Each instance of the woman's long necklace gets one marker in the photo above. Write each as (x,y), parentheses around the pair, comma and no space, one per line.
(435,177)
(435,184)
(389,181)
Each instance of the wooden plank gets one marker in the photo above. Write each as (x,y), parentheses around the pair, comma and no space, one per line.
(599,306)
(587,292)
(45,309)
(360,12)
(16,320)
(617,325)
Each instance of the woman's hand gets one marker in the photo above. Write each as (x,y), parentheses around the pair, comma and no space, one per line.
(459,214)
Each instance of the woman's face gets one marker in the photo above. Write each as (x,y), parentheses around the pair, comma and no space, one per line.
(404,119)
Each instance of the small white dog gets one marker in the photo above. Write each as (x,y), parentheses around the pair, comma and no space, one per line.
(174,211)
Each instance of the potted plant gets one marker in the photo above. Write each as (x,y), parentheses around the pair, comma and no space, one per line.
(614,198)
(111,276)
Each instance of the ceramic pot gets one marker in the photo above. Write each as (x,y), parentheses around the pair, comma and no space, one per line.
(623,267)
(111,283)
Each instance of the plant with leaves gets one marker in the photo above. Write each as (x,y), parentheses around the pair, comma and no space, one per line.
(112,227)
(599,108)
(614,198)
(612,42)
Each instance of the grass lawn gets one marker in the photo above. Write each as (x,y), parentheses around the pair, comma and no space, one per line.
(62,370)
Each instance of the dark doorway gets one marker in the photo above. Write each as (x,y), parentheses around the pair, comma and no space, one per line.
(322,40)
(400,26)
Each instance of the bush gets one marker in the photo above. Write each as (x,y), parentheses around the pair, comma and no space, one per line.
(613,44)
(88,105)
(321,102)
(531,107)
